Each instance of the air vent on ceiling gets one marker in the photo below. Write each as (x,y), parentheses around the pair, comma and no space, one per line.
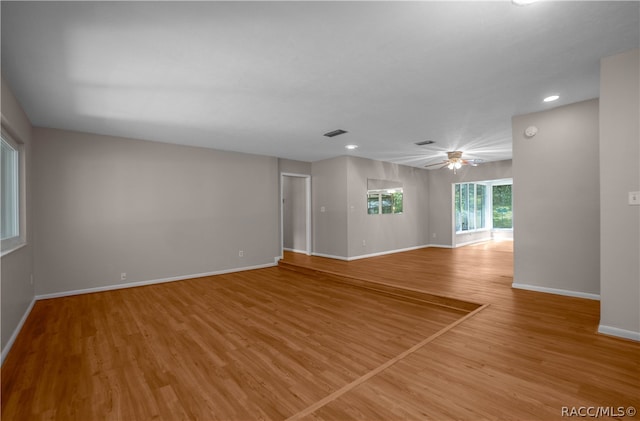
(335,133)
(425,142)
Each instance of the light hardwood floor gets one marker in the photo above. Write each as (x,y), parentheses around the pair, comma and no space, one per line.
(312,341)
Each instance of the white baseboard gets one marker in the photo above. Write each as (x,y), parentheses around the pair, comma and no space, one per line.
(295,250)
(365,256)
(382,253)
(621,333)
(442,246)
(556,291)
(330,256)
(150,282)
(17,330)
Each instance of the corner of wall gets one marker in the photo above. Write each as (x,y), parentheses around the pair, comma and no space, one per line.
(17,267)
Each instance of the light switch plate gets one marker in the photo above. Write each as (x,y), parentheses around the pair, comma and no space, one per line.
(634,198)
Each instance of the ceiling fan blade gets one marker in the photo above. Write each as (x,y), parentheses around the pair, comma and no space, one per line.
(472,162)
(433,165)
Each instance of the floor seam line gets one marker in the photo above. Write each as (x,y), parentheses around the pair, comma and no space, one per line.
(360,380)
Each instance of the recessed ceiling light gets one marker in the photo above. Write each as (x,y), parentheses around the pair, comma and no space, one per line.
(523,2)
(551,98)
(351,147)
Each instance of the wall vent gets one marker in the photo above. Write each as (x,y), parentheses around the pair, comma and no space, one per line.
(425,142)
(335,133)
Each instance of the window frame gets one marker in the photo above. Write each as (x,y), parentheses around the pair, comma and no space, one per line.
(497,184)
(378,196)
(18,241)
(471,207)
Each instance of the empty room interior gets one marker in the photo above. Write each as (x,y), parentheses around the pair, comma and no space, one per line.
(320,210)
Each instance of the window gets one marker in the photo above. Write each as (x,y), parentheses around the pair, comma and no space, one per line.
(470,206)
(10,193)
(502,207)
(384,201)
(485,205)
(384,196)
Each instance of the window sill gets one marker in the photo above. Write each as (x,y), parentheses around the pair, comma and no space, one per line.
(13,248)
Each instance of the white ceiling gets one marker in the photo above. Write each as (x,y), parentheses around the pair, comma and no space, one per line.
(271,77)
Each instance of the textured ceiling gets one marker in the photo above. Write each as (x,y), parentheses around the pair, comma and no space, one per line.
(271,77)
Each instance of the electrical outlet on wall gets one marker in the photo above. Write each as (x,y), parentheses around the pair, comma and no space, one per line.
(241,253)
(634,198)
(123,276)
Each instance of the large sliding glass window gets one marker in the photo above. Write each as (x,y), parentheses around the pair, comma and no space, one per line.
(486,205)
(470,205)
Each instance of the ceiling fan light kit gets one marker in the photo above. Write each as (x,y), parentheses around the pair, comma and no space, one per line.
(454,161)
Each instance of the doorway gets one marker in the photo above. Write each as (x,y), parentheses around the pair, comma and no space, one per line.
(482,211)
(295,213)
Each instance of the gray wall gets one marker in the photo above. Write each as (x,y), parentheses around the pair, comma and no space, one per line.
(108,205)
(619,174)
(441,230)
(16,290)
(329,204)
(294,216)
(340,186)
(556,199)
(294,167)
(382,233)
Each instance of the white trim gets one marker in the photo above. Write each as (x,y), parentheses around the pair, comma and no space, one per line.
(150,282)
(556,291)
(295,250)
(330,256)
(14,248)
(307,187)
(621,333)
(444,246)
(309,227)
(16,331)
(14,243)
(382,253)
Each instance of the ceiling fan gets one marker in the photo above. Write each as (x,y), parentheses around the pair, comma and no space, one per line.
(454,161)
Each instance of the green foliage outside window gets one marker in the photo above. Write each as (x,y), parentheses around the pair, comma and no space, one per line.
(502,206)
(385,202)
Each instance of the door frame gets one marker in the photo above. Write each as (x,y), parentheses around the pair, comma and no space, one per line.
(307,189)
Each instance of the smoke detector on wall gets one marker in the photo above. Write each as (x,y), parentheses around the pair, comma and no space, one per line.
(531,131)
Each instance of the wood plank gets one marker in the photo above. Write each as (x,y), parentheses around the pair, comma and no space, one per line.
(525,357)
(267,344)
(261,344)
